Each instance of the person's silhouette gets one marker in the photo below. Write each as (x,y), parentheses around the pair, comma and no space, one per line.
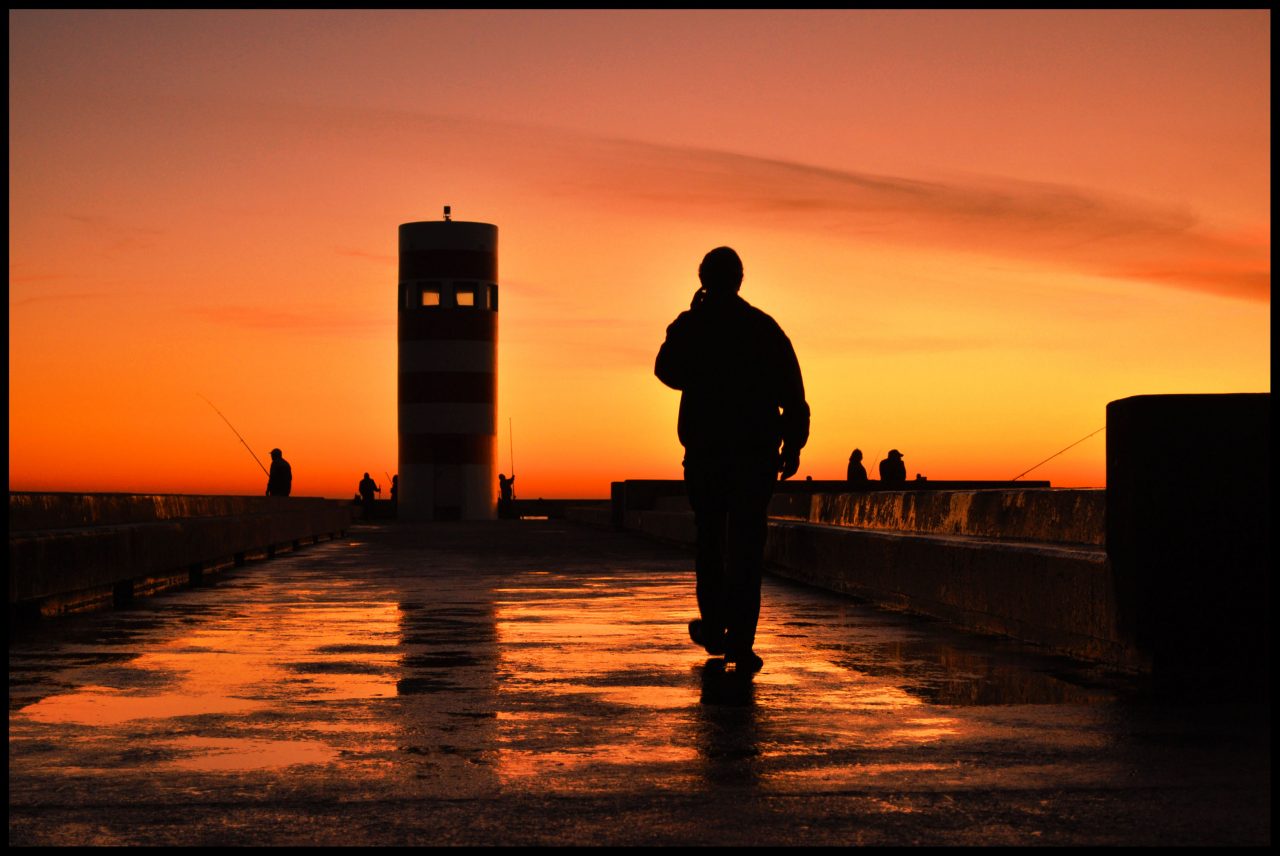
(280,477)
(395,494)
(856,475)
(368,487)
(892,469)
(742,398)
(506,487)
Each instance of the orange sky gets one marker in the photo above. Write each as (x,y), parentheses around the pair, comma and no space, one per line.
(977,228)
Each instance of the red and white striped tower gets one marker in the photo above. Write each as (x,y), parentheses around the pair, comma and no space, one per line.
(447,333)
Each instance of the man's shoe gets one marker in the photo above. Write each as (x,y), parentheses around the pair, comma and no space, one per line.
(714,648)
(748,661)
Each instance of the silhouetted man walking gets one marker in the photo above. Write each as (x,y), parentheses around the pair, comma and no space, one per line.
(742,398)
(280,477)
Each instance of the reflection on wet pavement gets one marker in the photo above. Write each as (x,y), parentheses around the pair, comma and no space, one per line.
(402,668)
(606,667)
(595,682)
(242,668)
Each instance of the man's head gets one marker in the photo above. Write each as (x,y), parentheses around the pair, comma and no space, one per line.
(894,453)
(721,271)
(856,455)
(275,453)
(366,475)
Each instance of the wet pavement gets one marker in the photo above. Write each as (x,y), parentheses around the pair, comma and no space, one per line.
(532,682)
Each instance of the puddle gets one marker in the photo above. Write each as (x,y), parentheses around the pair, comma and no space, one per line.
(103,706)
(224,754)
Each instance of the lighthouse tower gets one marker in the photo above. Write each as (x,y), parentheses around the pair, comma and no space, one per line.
(447,323)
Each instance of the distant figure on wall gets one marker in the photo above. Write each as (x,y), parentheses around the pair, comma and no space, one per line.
(506,487)
(856,475)
(742,398)
(892,470)
(395,494)
(280,478)
(368,487)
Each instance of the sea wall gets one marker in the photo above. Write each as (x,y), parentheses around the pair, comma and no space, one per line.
(1030,564)
(74,551)
(1165,571)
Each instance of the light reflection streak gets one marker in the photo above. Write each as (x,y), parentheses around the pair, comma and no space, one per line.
(610,673)
(103,706)
(211,754)
(263,661)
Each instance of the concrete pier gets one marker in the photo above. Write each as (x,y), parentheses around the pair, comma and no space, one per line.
(531,682)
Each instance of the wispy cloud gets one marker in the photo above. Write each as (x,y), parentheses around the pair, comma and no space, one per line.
(1073,228)
(319,321)
(111,238)
(905,344)
(76,296)
(1089,231)
(380,258)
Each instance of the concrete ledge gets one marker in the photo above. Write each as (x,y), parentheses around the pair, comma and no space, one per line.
(674,527)
(69,552)
(43,511)
(1059,596)
(1051,595)
(1048,515)
(550,508)
(599,515)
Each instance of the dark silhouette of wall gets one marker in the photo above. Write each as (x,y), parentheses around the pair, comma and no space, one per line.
(1188,536)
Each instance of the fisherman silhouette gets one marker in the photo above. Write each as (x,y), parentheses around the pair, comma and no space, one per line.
(736,369)
(395,494)
(892,470)
(368,487)
(506,487)
(280,478)
(857,473)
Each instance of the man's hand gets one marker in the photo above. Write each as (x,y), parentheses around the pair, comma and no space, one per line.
(788,463)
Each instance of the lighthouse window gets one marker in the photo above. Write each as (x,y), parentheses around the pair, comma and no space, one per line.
(466,294)
(431,295)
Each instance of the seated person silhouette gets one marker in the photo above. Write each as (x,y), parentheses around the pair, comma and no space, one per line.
(857,473)
(892,469)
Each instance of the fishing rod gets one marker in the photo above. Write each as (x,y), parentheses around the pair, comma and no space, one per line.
(1059,452)
(511,439)
(237,433)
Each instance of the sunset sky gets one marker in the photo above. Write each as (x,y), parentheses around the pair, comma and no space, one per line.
(978,228)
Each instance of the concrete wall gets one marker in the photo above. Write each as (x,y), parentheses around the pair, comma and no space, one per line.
(1022,563)
(70,551)
(1165,571)
(1071,516)
(1189,534)
(1054,595)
